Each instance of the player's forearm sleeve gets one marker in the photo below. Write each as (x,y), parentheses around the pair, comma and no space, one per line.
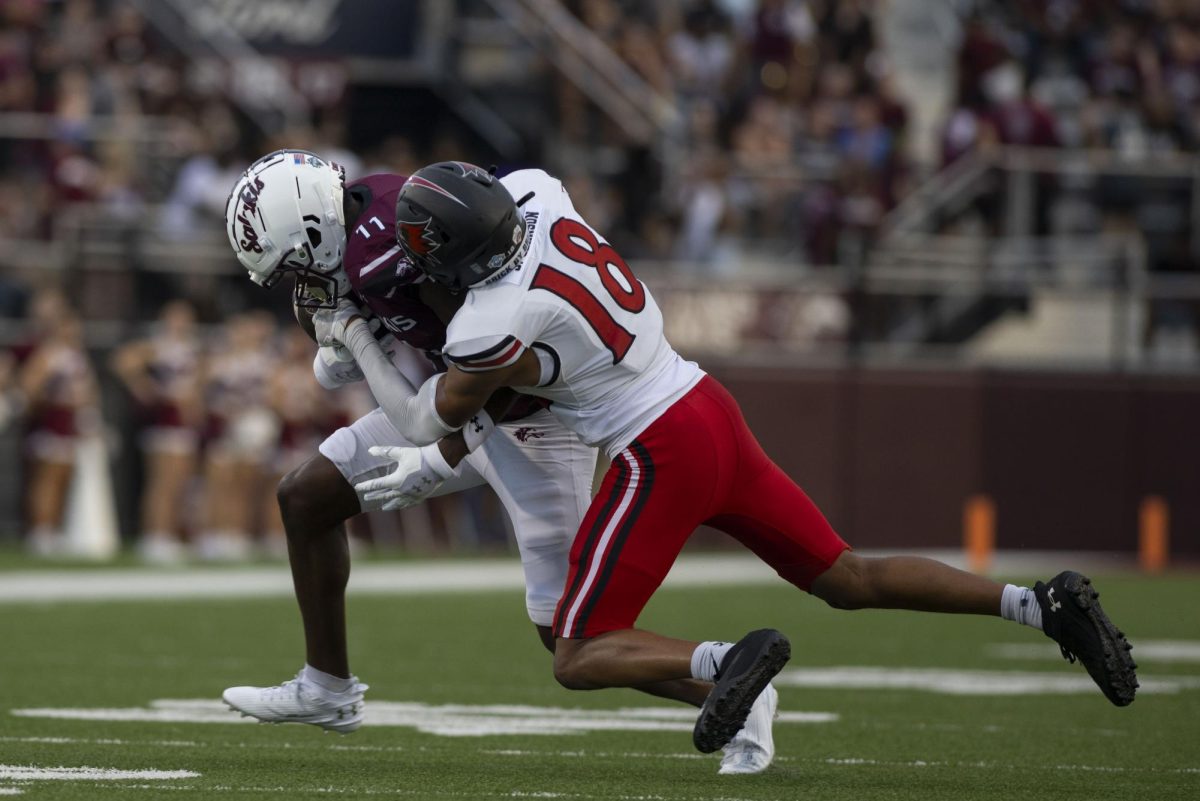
(410,410)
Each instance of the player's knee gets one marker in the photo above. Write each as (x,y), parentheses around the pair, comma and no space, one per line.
(313,495)
(570,670)
(846,584)
(290,493)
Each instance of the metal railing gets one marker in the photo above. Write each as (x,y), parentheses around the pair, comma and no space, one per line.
(644,114)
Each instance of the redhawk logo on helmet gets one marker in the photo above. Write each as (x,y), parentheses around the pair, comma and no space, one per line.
(416,237)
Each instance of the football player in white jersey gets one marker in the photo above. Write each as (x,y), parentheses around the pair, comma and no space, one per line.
(552,310)
(290,213)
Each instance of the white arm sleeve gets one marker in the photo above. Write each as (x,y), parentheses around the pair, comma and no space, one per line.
(410,410)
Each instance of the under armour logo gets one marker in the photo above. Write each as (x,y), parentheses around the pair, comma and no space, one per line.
(1054,605)
(477,426)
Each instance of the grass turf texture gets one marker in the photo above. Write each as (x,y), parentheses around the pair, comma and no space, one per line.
(480,650)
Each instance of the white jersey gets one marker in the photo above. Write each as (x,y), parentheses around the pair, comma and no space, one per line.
(607,368)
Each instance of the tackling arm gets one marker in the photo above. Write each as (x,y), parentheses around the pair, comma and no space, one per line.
(420,471)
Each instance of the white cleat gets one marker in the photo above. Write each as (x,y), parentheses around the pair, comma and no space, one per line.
(299,701)
(752,749)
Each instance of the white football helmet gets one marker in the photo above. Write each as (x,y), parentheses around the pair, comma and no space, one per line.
(285,215)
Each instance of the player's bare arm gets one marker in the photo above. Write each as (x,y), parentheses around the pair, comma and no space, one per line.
(461,395)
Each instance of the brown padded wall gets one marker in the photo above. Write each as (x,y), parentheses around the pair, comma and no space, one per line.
(1056,460)
(890,456)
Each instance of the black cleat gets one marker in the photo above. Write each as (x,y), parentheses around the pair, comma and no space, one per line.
(1072,617)
(748,667)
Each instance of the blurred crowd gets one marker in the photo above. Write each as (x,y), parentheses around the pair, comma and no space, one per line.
(75,61)
(206,419)
(790,136)
(1115,74)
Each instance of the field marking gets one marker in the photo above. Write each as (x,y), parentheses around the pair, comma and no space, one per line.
(434,792)
(967,682)
(1187,651)
(101,741)
(446,720)
(432,577)
(845,761)
(594,754)
(11,791)
(421,578)
(87,774)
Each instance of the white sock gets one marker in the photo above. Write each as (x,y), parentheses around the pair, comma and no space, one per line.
(1020,604)
(706,659)
(327,681)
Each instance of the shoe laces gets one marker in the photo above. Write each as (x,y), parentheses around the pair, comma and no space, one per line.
(289,688)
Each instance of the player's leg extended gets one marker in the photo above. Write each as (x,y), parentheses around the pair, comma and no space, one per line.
(774,518)
(906,582)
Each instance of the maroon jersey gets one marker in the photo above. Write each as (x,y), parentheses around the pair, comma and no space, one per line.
(386,282)
(380,275)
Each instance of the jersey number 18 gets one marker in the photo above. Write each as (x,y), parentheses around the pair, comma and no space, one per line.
(577,242)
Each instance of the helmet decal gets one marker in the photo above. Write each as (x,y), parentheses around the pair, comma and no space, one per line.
(249,198)
(462,214)
(472,171)
(284,215)
(418,238)
(417,180)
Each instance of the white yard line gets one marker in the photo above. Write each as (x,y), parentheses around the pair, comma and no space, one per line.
(968,682)
(1144,650)
(735,568)
(447,720)
(104,741)
(430,792)
(87,774)
(410,578)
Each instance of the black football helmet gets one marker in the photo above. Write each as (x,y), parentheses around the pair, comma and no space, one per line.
(457,223)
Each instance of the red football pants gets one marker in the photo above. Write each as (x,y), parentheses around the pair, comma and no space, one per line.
(696,464)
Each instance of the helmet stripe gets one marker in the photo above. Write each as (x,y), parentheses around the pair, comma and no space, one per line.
(424,183)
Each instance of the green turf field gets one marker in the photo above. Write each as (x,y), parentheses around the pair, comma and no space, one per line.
(478,651)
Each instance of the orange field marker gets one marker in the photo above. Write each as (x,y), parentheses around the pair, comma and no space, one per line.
(1154,539)
(979,532)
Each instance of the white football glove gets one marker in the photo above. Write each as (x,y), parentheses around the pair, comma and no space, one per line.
(329,325)
(418,474)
